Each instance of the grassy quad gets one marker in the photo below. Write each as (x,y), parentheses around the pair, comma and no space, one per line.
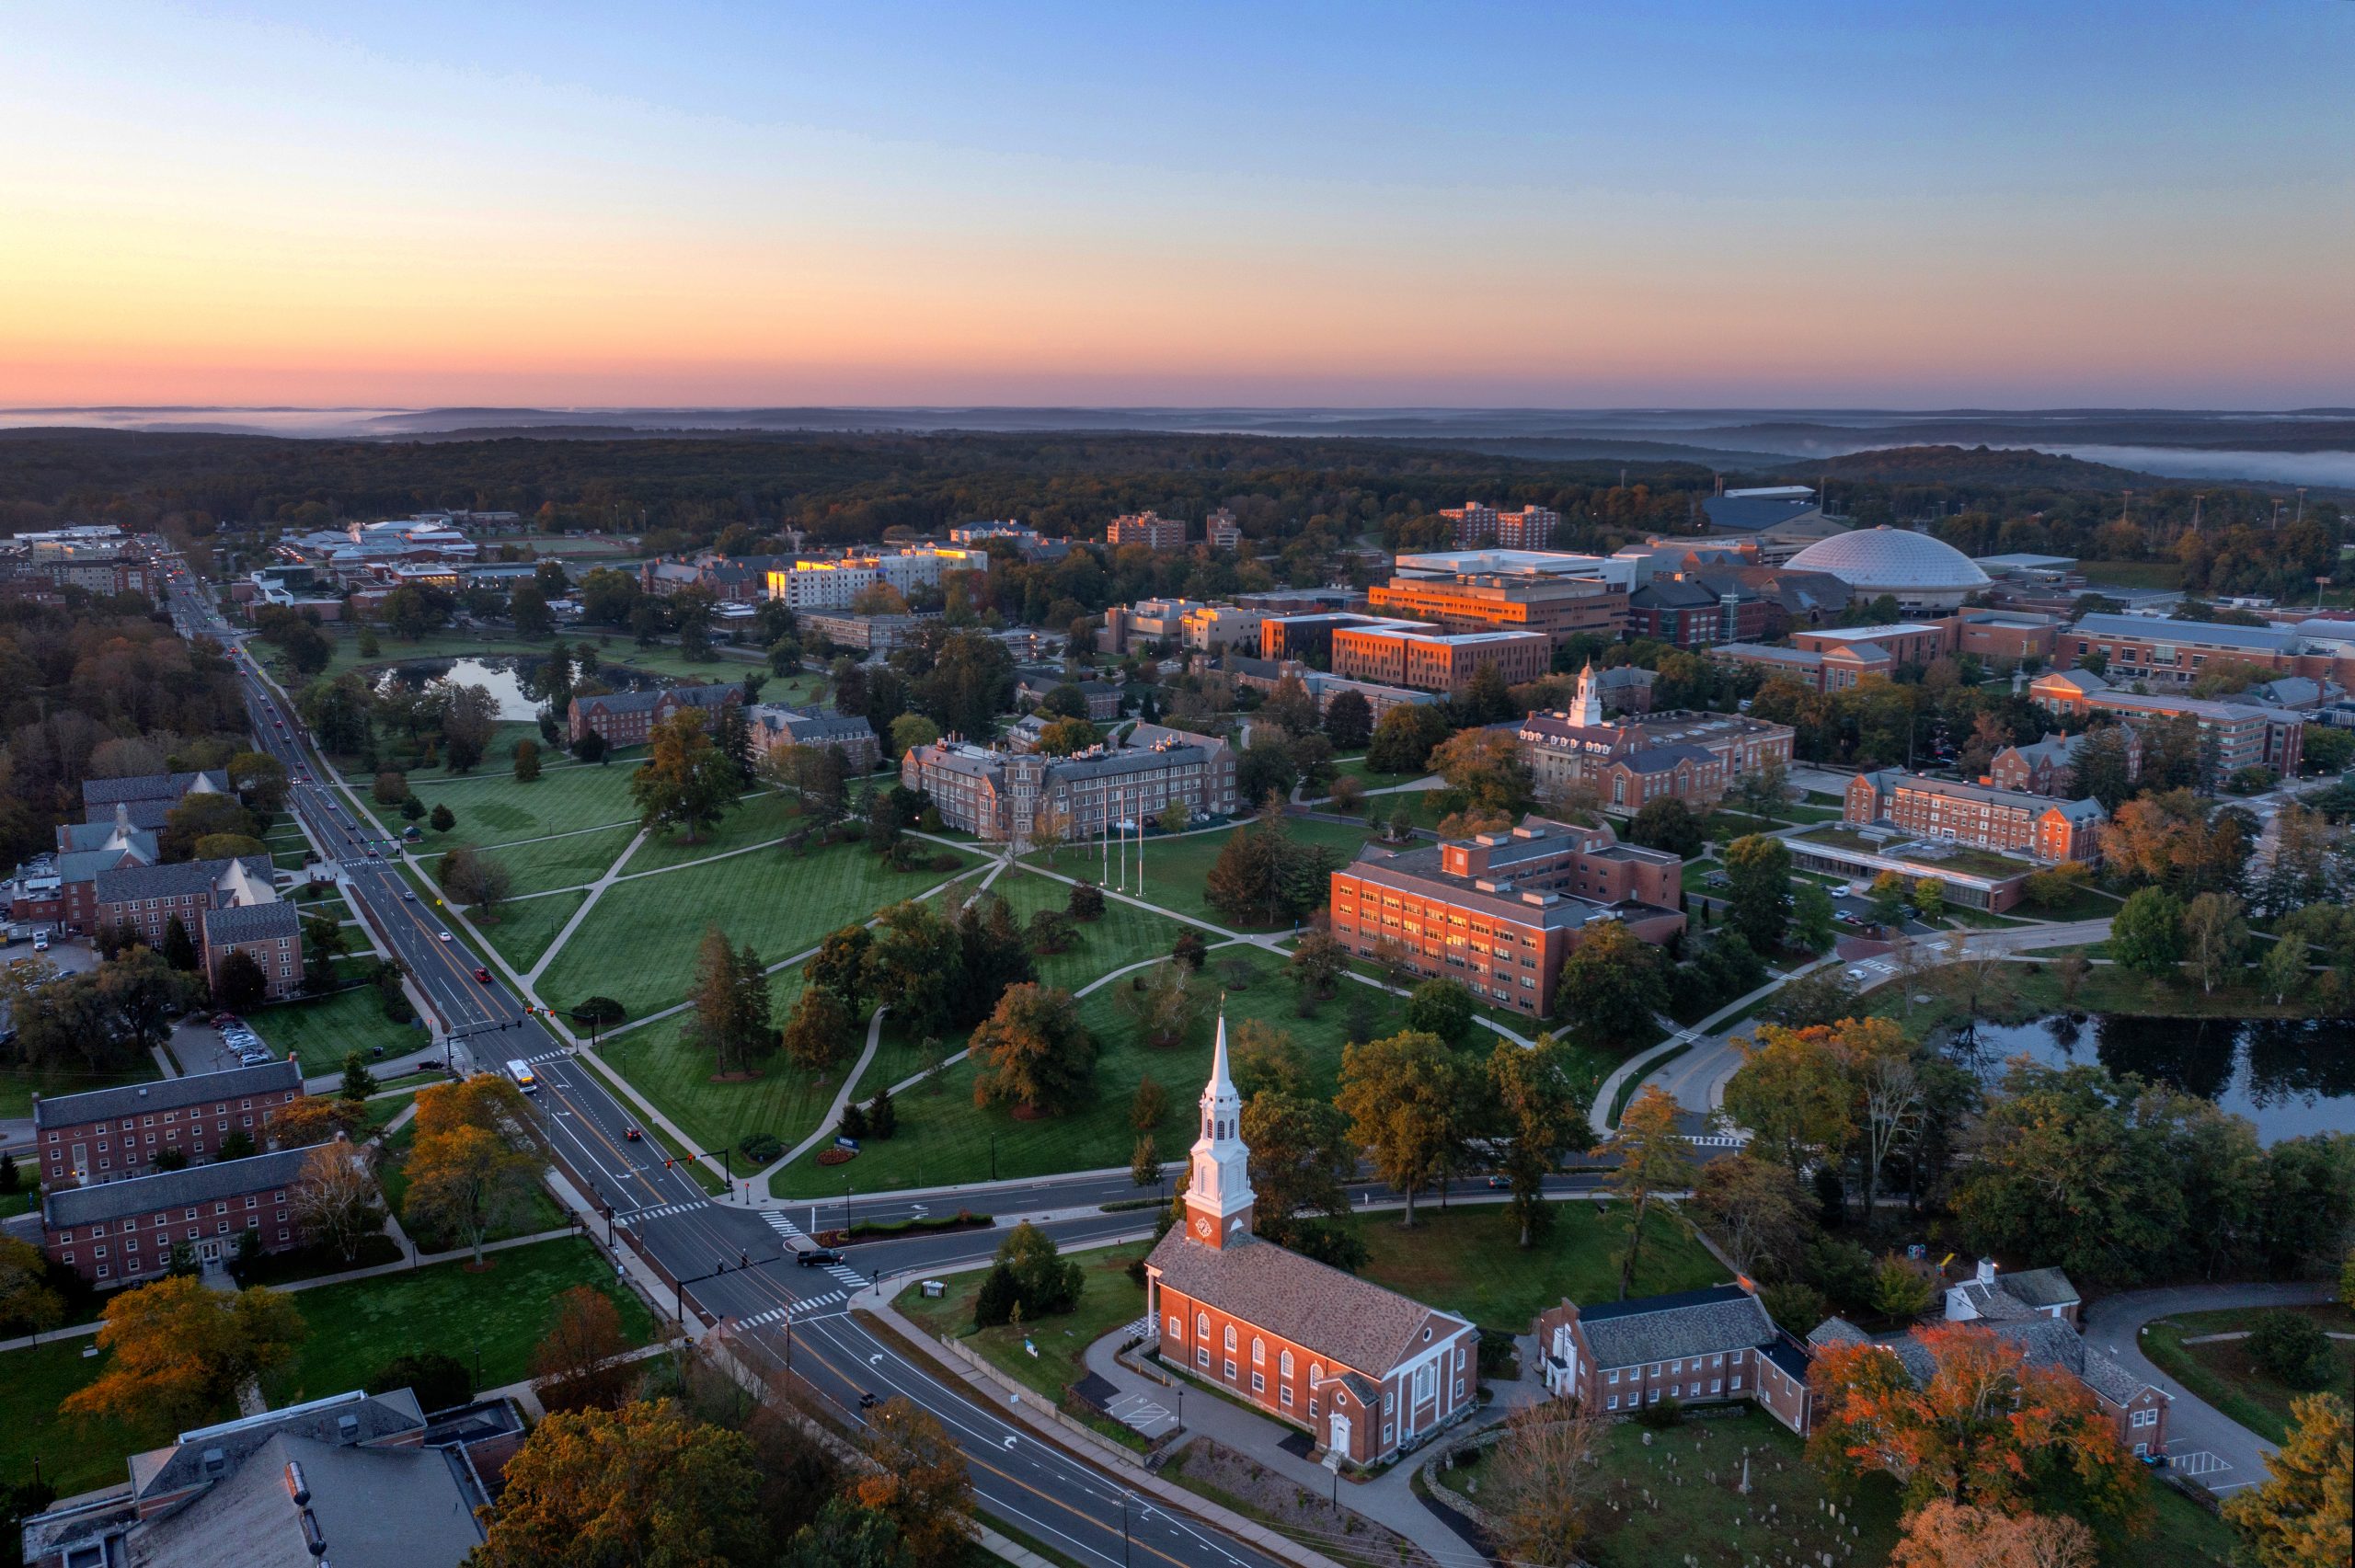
(944,1137)
(639,945)
(320,1030)
(502,1314)
(1174,868)
(526,926)
(75,1455)
(493,808)
(660,1064)
(1124,935)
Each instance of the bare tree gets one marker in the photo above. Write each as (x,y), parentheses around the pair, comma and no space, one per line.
(336,1199)
(1892,1106)
(1541,1482)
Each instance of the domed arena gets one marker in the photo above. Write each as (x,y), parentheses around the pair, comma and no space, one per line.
(1919,571)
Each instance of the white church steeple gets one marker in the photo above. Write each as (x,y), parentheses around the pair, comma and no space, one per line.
(1218,1187)
(1590,705)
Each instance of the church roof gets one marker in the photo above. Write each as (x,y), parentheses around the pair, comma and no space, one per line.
(1323,1311)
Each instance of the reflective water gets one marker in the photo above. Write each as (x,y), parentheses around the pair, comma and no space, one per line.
(509,680)
(2289,1076)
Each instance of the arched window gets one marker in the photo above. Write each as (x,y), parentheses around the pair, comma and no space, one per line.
(1315,1373)
(1283,1363)
(1202,1325)
(1230,1336)
(1258,1351)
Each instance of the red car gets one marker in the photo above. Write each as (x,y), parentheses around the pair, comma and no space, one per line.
(483,975)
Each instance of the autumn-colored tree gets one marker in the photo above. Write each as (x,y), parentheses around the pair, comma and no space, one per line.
(1541,1097)
(819,1032)
(918,1481)
(314,1118)
(475,1159)
(582,1361)
(1485,767)
(28,1304)
(640,1487)
(1941,1534)
(2304,1513)
(1318,960)
(1654,1157)
(1541,1482)
(1985,1428)
(335,1198)
(686,782)
(1404,1098)
(180,1351)
(1034,1052)
(1756,1210)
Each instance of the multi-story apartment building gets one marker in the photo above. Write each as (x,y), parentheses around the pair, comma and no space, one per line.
(1500,912)
(1691,756)
(110,1135)
(729,579)
(2005,821)
(1004,797)
(2233,734)
(124,1232)
(2050,766)
(1557,606)
(1530,528)
(804,583)
(1308,635)
(1102,697)
(1149,529)
(2172,653)
(868,634)
(271,933)
(1221,531)
(627,718)
(1148,621)
(775,726)
(1437,661)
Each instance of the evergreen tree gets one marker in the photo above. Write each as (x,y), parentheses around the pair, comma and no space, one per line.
(179,950)
(357,1081)
(882,1116)
(444,818)
(527,762)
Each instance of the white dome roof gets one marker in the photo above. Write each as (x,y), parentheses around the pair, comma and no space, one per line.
(1895,559)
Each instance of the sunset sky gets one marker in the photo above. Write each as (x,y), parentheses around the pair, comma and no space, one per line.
(1571,204)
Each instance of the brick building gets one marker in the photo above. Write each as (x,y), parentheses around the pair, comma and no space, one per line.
(1500,912)
(1364,1371)
(1004,797)
(627,718)
(2172,653)
(1438,661)
(1558,606)
(67,895)
(147,898)
(124,1232)
(775,726)
(101,798)
(1102,697)
(270,934)
(2233,734)
(1906,642)
(1695,1346)
(1687,612)
(1265,675)
(1846,665)
(2006,637)
(1308,635)
(1689,756)
(2003,821)
(1222,530)
(1530,528)
(2050,766)
(1149,529)
(110,1135)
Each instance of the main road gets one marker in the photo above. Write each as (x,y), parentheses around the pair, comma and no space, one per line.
(733,1263)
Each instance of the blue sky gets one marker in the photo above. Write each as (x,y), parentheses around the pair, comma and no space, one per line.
(1796,202)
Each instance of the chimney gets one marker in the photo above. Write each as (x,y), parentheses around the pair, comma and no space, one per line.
(347,1428)
(1986,1271)
(215,1461)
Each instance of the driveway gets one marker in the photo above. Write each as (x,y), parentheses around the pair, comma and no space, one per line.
(2203,1442)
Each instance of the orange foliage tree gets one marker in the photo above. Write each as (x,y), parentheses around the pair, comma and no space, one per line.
(1984,1428)
(181,1351)
(643,1484)
(1955,1534)
(918,1482)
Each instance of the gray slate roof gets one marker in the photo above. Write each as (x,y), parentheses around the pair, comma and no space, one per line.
(166,1095)
(147,786)
(2193,634)
(252,923)
(642,702)
(181,1464)
(2051,1343)
(1663,758)
(1691,1322)
(1353,1322)
(2040,1287)
(179,879)
(197,1185)
(386,1507)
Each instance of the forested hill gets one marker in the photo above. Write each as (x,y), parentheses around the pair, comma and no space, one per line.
(1994,467)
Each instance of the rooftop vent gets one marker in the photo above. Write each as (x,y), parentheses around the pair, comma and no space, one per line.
(347,1428)
(296,1486)
(1543,900)
(216,1460)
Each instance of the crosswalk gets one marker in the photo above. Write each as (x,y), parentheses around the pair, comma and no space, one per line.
(843,1273)
(662,1211)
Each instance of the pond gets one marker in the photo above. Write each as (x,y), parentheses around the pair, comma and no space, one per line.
(2290,1076)
(509,680)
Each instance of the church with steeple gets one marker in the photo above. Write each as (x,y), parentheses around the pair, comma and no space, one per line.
(1692,757)
(1366,1371)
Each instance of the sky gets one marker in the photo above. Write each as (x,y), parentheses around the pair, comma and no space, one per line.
(1794,203)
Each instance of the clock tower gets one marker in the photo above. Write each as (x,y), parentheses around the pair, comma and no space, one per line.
(1218,1186)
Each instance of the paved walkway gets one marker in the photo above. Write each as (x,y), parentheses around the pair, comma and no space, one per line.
(833,1118)
(2202,1441)
(597,891)
(1388,1500)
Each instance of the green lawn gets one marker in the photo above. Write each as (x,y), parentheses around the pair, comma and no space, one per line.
(502,1314)
(75,1455)
(784,1101)
(1123,935)
(639,945)
(19,1084)
(492,808)
(761,819)
(2224,1374)
(321,1029)
(564,860)
(945,1138)
(1174,868)
(1108,1301)
(526,926)
(1468,1259)
(2132,574)
(2108,988)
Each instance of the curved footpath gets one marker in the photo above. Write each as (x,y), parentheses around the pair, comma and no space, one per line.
(2202,1441)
